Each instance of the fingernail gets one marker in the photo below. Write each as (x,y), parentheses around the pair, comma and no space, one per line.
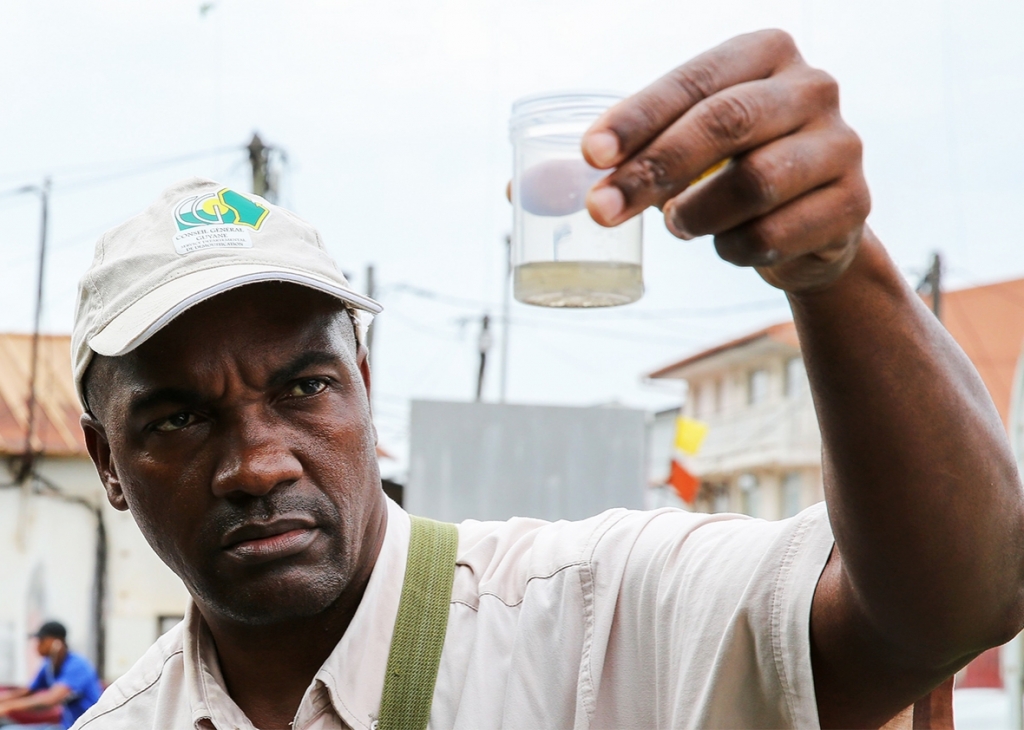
(676,227)
(602,148)
(607,202)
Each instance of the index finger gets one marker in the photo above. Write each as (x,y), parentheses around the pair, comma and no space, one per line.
(631,124)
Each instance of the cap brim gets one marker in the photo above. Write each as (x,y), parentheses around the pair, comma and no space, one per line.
(151,313)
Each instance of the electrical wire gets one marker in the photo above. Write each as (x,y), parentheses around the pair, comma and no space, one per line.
(20,190)
(600,332)
(523,321)
(670,313)
(136,169)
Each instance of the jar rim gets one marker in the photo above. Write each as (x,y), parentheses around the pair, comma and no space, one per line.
(561,105)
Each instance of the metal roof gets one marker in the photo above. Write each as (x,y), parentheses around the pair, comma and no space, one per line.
(783,333)
(57,431)
(987,321)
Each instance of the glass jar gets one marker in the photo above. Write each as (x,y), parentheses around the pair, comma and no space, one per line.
(560,256)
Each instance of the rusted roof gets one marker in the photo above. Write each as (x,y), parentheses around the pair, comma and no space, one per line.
(784,332)
(987,321)
(56,430)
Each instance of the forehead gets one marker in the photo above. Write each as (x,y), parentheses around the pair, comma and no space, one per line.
(254,327)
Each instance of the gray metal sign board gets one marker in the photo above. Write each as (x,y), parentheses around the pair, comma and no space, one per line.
(491,461)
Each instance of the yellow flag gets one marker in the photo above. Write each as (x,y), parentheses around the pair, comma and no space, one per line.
(690,434)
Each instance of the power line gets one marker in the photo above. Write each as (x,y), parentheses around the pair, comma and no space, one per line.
(671,313)
(537,323)
(718,311)
(136,169)
(418,291)
(28,457)
(20,190)
(597,332)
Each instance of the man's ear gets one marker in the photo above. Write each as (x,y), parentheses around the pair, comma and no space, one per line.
(99,450)
(363,361)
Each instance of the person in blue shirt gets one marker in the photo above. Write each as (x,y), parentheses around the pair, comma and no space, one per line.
(66,679)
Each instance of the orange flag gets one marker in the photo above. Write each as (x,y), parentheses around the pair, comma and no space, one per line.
(684,482)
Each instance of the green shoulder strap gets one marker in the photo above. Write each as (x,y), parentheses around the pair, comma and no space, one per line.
(420,627)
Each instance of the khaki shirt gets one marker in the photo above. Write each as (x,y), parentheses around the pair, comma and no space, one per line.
(626,620)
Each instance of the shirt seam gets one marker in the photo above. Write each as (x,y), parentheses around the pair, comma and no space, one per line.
(600,531)
(529,580)
(587,595)
(131,697)
(341,700)
(781,584)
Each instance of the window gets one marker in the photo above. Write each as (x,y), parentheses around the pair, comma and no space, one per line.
(791,497)
(750,495)
(719,396)
(705,400)
(721,501)
(166,623)
(8,670)
(757,386)
(796,377)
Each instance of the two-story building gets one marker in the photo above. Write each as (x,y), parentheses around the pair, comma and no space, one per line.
(65,553)
(762,453)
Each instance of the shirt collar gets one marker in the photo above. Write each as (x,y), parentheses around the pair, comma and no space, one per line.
(353,673)
(207,694)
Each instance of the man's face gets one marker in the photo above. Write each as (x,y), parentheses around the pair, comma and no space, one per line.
(45,645)
(240,438)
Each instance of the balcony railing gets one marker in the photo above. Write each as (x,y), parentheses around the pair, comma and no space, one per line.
(782,431)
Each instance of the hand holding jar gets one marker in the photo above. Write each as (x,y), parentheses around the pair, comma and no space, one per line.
(789,198)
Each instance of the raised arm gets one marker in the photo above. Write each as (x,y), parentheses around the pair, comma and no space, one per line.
(922,490)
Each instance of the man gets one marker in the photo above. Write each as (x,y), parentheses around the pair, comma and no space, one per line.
(226,393)
(66,679)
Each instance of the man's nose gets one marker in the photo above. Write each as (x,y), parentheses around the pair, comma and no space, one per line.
(256,457)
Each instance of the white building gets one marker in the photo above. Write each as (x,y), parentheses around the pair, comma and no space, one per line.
(65,554)
(762,454)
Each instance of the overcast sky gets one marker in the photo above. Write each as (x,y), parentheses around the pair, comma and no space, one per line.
(394,115)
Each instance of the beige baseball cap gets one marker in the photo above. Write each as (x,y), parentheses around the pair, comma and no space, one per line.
(199,239)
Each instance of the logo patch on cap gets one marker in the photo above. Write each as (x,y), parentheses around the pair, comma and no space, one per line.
(216,220)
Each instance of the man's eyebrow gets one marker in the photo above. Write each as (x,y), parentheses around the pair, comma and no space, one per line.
(293,369)
(186,397)
(148,399)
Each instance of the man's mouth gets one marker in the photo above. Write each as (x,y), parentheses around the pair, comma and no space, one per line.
(260,542)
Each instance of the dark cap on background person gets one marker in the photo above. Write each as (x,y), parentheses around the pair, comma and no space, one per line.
(51,630)
(199,239)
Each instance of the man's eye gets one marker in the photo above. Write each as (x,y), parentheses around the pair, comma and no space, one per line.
(310,386)
(175,422)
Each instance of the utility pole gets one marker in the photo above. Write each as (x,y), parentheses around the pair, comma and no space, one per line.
(932,285)
(506,301)
(28,458)
(371,292)
(483,344)
(263,179)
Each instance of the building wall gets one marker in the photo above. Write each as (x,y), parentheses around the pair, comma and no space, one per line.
(762,455)
(141,592)
(46,571)
(661,431)
(495,461)
(47,564)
